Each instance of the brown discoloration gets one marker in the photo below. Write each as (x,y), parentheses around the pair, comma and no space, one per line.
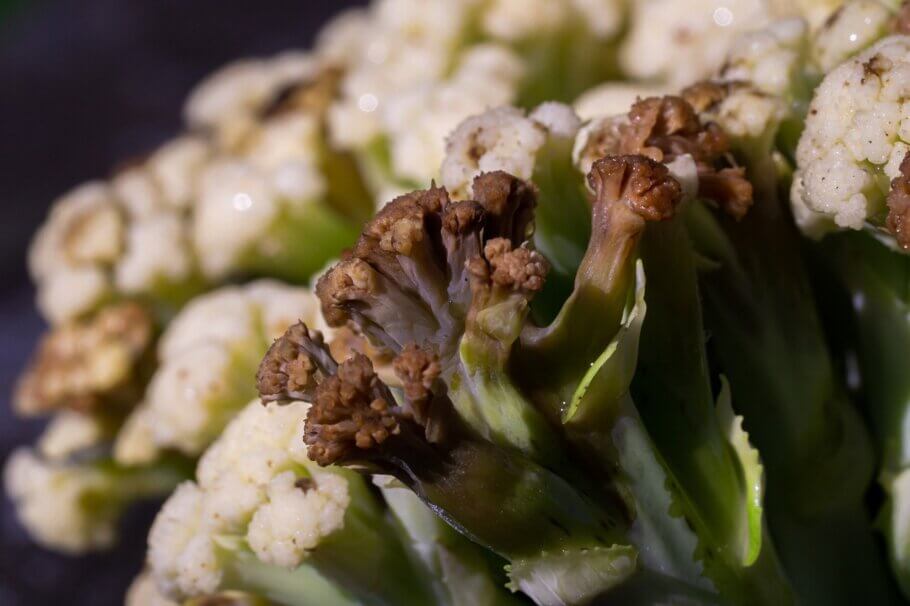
(901,23)
(639,183)
(305,484)
(88,364)
(731,186)
(418,370)
(876,66)
(515,269)
(352,411)
(706,95)
(293,366)
(410,261)
(898,200)
(311,96)
(509,203)
(664,128)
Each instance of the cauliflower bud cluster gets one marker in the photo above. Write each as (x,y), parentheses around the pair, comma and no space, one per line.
(207,358)
(255,484)
(854,144)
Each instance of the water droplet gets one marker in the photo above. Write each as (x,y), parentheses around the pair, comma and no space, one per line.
(242,202)
(723,16)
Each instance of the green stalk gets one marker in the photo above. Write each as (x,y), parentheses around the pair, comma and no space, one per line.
(878,280)
(672,390)
(767,339)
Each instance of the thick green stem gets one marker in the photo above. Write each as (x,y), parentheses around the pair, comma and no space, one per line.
(767,339)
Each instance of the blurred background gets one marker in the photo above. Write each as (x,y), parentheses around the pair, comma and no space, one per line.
(86,85)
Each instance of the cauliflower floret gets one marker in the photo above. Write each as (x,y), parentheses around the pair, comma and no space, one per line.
(768,58)
(417,121)
(514,20)
(340,40)
(502,138)
(240,89)
(69,293)
(181,563)
(207,356)
(683,42)
(237,205)
(157,250)
(222,316)
(855,136)
(175,166)
(53,502)
(69,433)
(279,535)
(252,484)
(850,29)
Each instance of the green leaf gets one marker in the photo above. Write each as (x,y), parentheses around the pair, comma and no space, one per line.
(572,576)
(752,476)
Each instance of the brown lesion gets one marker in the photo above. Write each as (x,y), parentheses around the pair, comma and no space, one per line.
(310,96)
(638,183)
(898,201)
(665,128)
(901,22)
(287,371)
(353,411)
(418,370)
(89,364)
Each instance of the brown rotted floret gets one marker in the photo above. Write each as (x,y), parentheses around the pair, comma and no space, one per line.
(89,364)
(353,411)
(509,203)
(664,128)
(898,200)
(293,365)
(639,183)
(516,269)
(418,370)
(349,280)
(463,217)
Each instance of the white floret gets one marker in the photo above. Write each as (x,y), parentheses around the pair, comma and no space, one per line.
(157,250)
(280,306)
(857,127)
(196,389)
(683,42)
(138,193)
(768,58)
(340,40)
(295,520)
(72,291)
(239,89)
(175,167)
(613,98)
(417,121)
(84,226)
(135,441)
(50,502)
(221,316)
(181,563)
(68,433)
(252,486)
(514,20)
(186,394)
(237,205)
(604,17)
(853,27)
(500,139)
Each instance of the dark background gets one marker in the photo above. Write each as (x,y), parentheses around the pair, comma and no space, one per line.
(85,84)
